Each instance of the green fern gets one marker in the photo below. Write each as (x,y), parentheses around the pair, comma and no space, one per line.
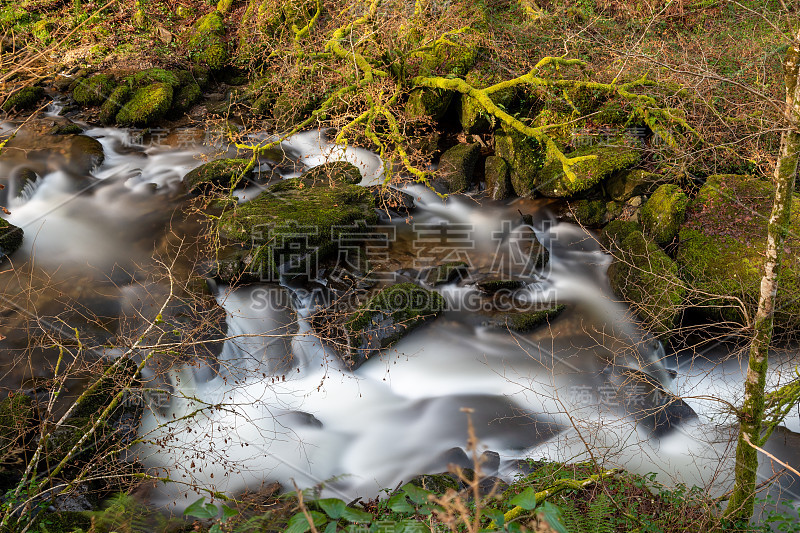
(598,519)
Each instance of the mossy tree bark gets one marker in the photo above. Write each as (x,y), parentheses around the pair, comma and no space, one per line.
(752,415)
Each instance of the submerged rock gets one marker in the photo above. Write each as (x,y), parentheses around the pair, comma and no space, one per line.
(386,317)
(664,212)
(721,250)
(225,173)
(645,276)
(457,166)
(295,223)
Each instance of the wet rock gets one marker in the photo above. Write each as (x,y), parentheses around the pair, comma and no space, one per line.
(636,182)
(446,273)
(591,213)
(10,238)
(552,181)
(66,129)
(85,153)
(386,317)
(294,224)
(493,286)
(147,106)
(525,322)
(497,176)
(224,173)
(115,101)
(663,213)
(721,250)
(94,90)
(24,99)
(457,166)
(645,276)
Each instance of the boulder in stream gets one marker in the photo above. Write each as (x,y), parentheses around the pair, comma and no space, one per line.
(10,238)
(457,166)
(223,173)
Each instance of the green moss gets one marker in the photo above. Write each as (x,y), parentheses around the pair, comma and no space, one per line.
(451,58)
(387,316)
(13,15)
(446,273)
(525,157)
(525,322)
(42,29)
(221,173)
(721,250)
(206,42)
(10,238)
(62,522)
(472,116)
(23,99)
(553,182)
(296,221)
(94,90)
(426,103)
(66,129)
(457,166)
(589,212)
(615,232)
(112,106)
(151,76)
(564,125)
(492,286)
(664,212)
(187,96)
(329,174)
(148,105)
(646,277)
(496,175)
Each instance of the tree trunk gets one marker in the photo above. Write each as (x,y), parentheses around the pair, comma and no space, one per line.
(740,505)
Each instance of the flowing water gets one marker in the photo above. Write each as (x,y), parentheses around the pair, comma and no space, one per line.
(274,402)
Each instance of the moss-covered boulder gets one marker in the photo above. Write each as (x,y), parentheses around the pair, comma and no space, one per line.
(721,250)
(663,213)
(329,174)
(615,232)
(296,223)
(625,185)
(497,177)
(150,76)
(426,103)
(525,157)
(525,322)
(386,317)
(206,41)
(85,153)
(147,106)
(186,97)
(112,105)
(590,213)
(492,286)
(457,166)
(23,99)
(225,173)
(94,90)
(603,161)
(642,274)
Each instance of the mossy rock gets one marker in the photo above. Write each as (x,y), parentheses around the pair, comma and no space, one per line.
(552,181)
(647,278)
(225,173)
(112,106)
(451,58)
(561,125)
(10,238)
(721,250)
(446,273)
(615,232)
(493,286)
(635,182)
(472,115)
(664,212)
(457,166)
(23,99)
(525,157)
(294,224)
(206,42)
(437,483)
(94,90)
(590,213)
(85,153)
(66,129)
(329,174)
(151,76)
(147,106)
(429,103)
(526,322)
(186,97)
(386,317)
(585,99)
(17,416)
(42,29)
(497,177)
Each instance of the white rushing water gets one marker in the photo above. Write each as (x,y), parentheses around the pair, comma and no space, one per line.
(280,406)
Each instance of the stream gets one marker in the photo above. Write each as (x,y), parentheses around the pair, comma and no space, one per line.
(273,402)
